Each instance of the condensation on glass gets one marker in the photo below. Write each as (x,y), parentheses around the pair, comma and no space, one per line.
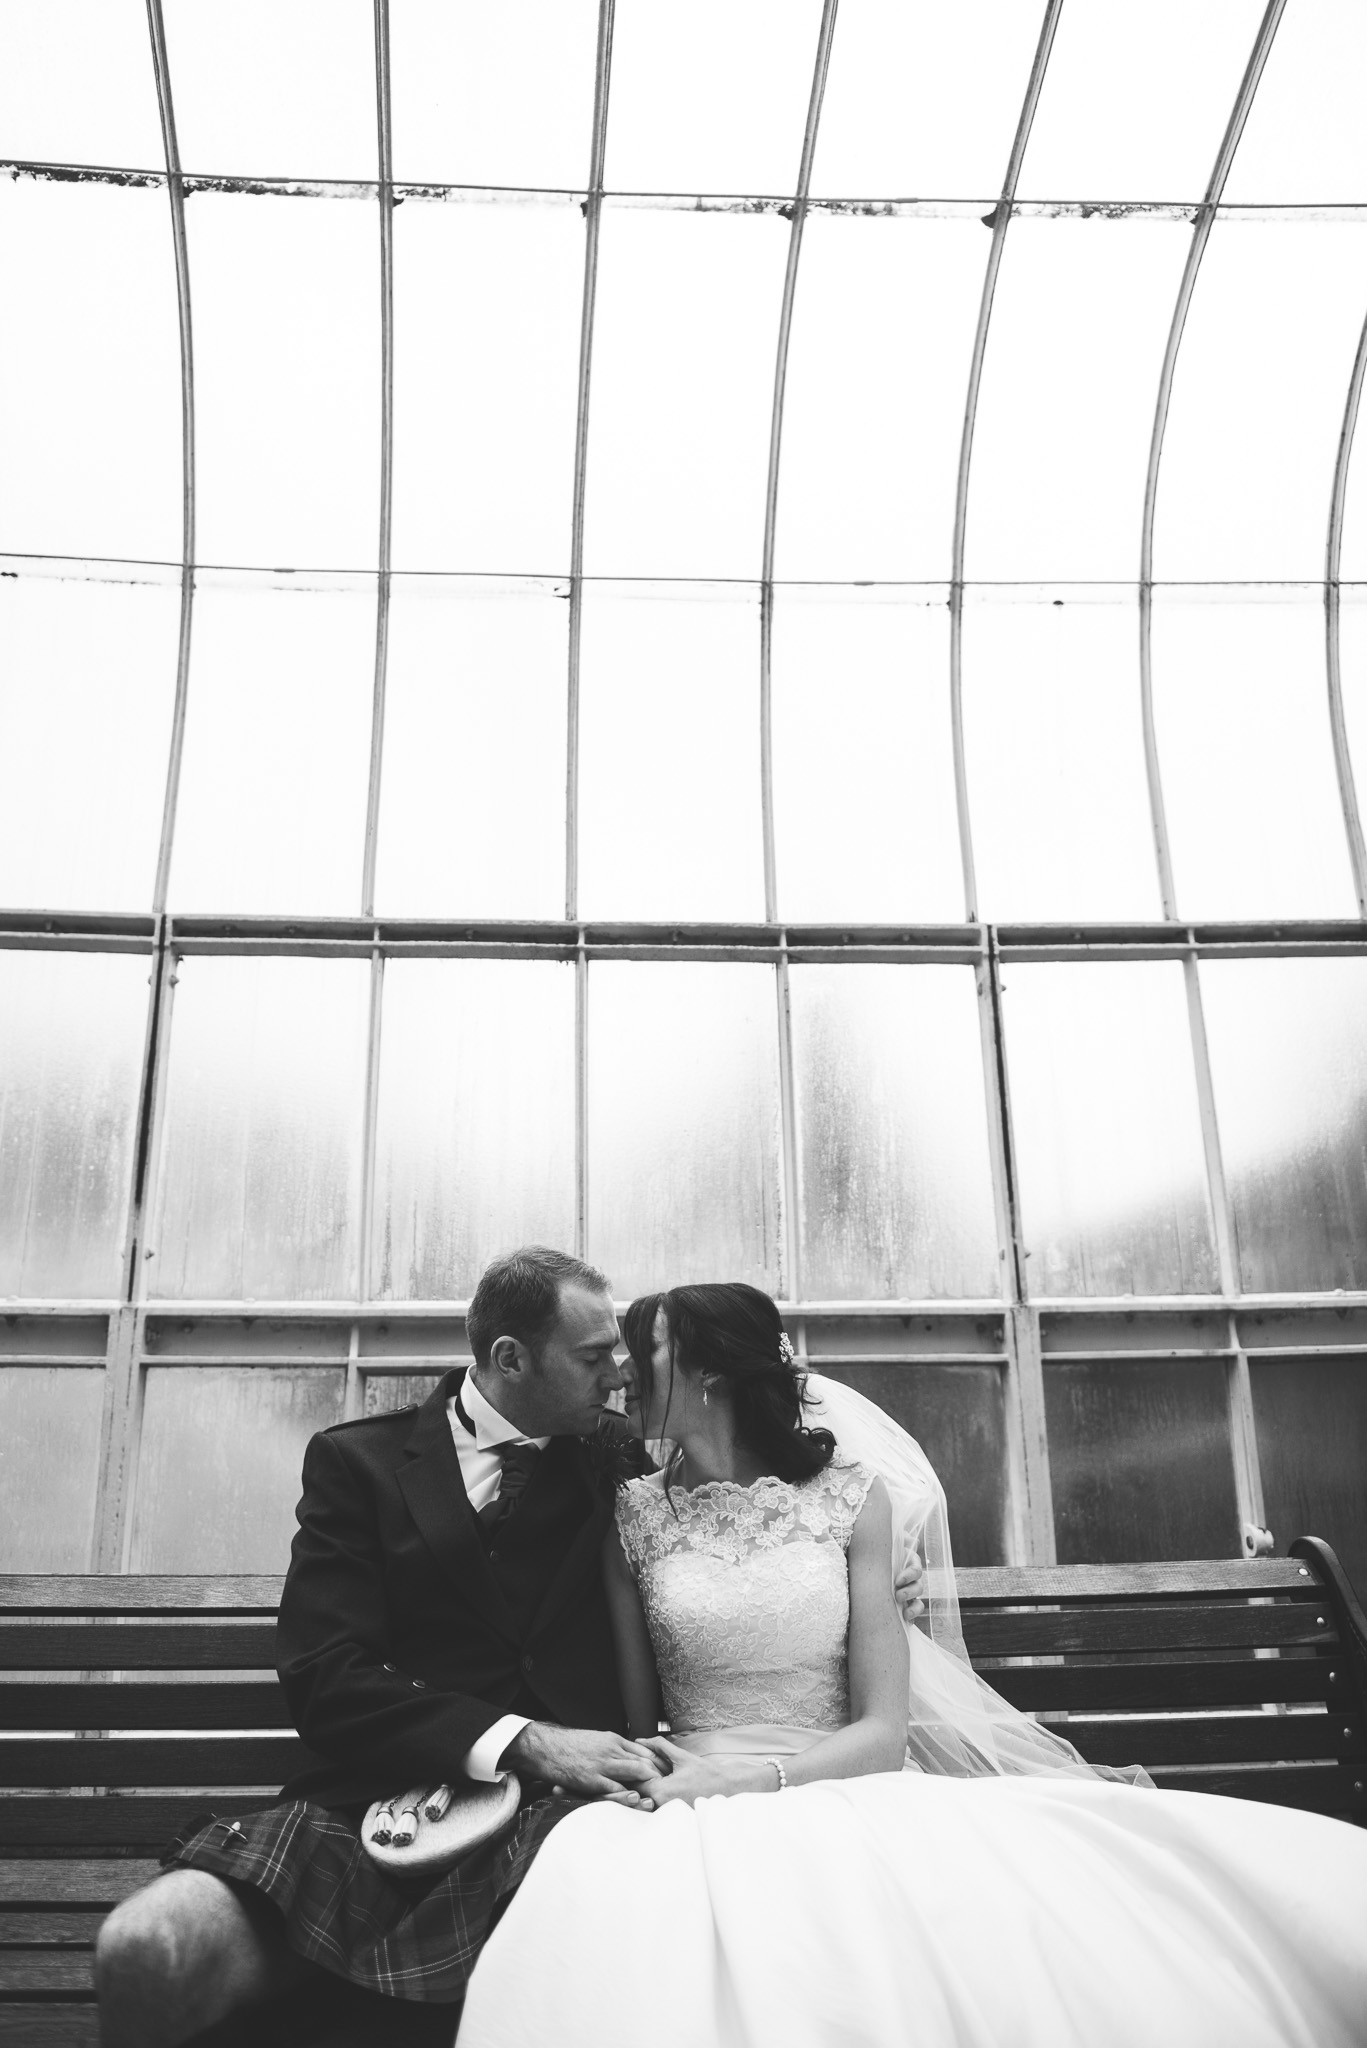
(1139,1459)
(865,817)
(218,1472)
(72,1028)
(385,1392)
(1288,1048)
(1055,754)
(472,805)
(259,1186)
(892,1134)
(1107,1130)
(475,1139)
(49,1466)
(684,1159)
(1311,1418)
(272,801)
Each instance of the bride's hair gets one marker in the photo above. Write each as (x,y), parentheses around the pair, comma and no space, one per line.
(735,1332)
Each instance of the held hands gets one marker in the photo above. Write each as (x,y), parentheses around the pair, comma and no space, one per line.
(586,1761)
(909,1587)
(687,1777)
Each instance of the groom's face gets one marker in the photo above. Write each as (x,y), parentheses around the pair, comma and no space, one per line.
(577,1370)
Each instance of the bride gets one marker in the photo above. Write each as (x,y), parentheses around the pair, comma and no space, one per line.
(935,1868)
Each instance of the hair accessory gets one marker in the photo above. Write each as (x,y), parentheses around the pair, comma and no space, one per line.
(786,1351)
(782,1774)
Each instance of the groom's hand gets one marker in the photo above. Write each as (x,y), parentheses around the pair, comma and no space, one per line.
(910,1588)
(588,1761)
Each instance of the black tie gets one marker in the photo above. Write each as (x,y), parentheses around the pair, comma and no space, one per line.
(519,1463)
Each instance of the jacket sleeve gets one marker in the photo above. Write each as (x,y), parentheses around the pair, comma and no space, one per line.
(350,1703)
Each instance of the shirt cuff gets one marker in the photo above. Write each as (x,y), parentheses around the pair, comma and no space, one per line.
(481,1763)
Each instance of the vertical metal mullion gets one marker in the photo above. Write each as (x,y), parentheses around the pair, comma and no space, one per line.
(175,189)
(353,1404)
(785,328)
(581,1099)
(1243,1434)
(593,209)
(1000,222)
(791,1281)
(1343,763)
(365,1274)
(1221,1215)
(1205,221)
(120,1431)
(386,200)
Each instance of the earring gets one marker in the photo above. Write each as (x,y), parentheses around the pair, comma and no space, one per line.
(704,1394)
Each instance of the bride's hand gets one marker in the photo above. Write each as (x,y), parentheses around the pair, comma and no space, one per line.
(687,1777)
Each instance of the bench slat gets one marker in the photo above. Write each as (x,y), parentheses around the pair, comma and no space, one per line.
(1247,1738)
(153,1760)
(52,1969)
(1190,1626)
(53,1930)
(209,1645)
(139,1593)
(141,1822)
(1224,1682)
(1193,1579)
(225,1703)
(1313,1788)
(58,2025)
(74,1880)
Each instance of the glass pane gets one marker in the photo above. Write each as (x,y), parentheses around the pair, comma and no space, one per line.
(219,1464)
(87,688)
(1311,1418)
(1304,141)
(487,304)
(474,730)
(684,1163)
(1136,99)
(1353,683)
(957,1413)
(271,814)
(892,1134)
(475,1141)
(261,1171)
(1140,1461)
(669,818)
(77,86)
(1288,1048)
(492,95)
(90,376)
(1240,709)
(1079,325)
(1270,338)
(274,88)
(1107,1130)
(683,387)
(712,97)
(865,815)
(287,380)
(71,1037)
(924,98)
(49,1466)
(870,443)
(1055,747)
(386,1392)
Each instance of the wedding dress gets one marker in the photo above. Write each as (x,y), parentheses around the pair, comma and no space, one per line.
(1030,1904)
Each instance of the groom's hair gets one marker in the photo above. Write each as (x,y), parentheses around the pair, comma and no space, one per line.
(519,1296)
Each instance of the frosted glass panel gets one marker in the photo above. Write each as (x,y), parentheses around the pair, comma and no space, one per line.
(271,816)
(683,377)
(684,1172)
(77,86)
(669,755)
(218,1472)
(712,97)
(1241,713)
(274,88)
(474,737)
(1270,338)
(1079,324)
(1304,141)
(1107,1130)
(87,687)
(492,95)
(49,1466)
(71,1037)
(287,380)
(262,1149)
(475,1143)
(1139,1459)
(487,306)
(864,804)
(892,1134)
(1311,1417)
(1054,741)
(90,375)
(923,99)
(1136,99)
(1288,1046)
(1353,682)
(882,333)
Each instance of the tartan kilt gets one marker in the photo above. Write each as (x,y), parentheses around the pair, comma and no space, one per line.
(417,1941)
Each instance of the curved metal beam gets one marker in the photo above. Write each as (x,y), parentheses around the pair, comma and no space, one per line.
(1000,219)
(175,189)
(1205,221)
(1343,760)
(385,138)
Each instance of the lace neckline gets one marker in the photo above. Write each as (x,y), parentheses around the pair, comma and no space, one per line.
(715,1486)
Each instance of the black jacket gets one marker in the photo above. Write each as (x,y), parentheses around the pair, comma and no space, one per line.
(400,1642)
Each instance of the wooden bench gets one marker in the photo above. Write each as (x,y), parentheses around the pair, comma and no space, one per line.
(130,1704)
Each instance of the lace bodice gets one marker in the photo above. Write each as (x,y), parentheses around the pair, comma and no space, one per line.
(746,1593)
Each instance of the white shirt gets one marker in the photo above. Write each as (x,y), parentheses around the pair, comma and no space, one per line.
(481,1468)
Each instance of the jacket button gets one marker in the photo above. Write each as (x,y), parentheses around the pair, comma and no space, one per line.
(389,1667)
(419,1684)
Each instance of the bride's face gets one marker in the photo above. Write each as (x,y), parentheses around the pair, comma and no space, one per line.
(659,1408)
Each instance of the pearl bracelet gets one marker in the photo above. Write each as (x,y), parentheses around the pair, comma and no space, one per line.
(782,1774)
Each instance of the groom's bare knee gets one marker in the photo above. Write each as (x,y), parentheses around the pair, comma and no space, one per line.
(181,1954)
